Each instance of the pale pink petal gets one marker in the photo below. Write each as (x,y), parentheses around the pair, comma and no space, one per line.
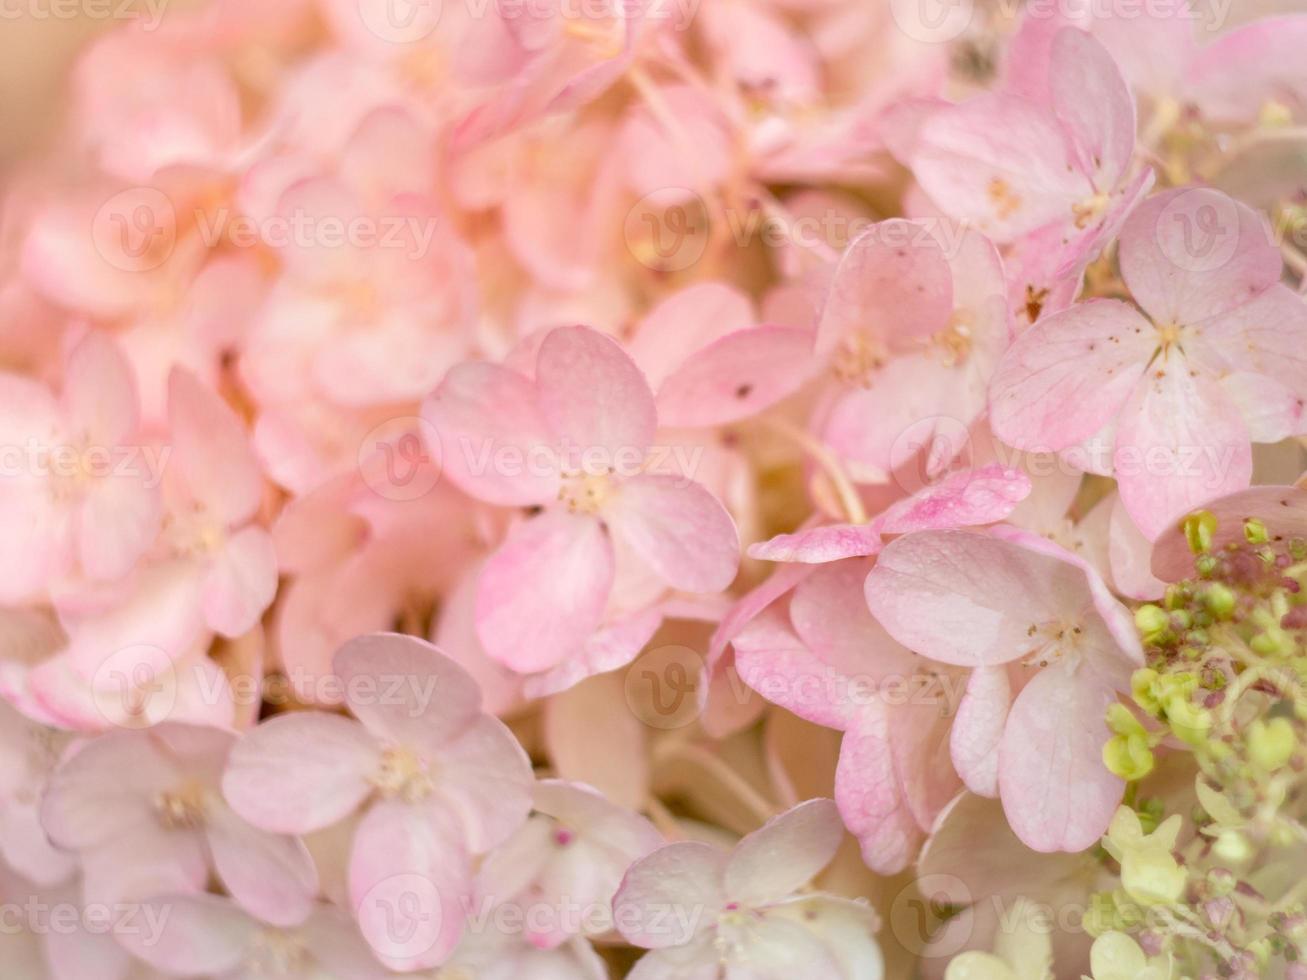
(784,854)
(1193,253)
(678,528)
(300,772)
(118,520)
(1282,509)
(970,599)
(201,935)
(1069,374)
(978,729)
(99,391)
(685,877)
(106,788)
(544,591)
(893,281)
(211,453)
(405,691)
(1266,337)
(736,376)
(494,443)
(241,583)
(592,394)
(1056,792)
(1180,444)
(408,881)
(269,875)
(1242,70)
(830,614)
(773,661)
(484,782)
(690,319)
(1092,100)
(1129,553)
(1000,163)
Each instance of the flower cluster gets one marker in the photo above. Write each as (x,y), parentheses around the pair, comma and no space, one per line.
(678,489)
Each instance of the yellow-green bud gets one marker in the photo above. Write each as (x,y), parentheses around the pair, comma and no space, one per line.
(1199,529)
(1189,721)
(1143,686)
(1233,847)
(1128,756)
(1273,642)
(1151,621)
(1271,743)
(1219,599)
(1254,531)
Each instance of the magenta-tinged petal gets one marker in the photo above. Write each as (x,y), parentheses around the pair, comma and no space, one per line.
(1056,792)
(1069,374)
(964,499)
(593,396)
(677,527)
(1194,253)
(819,545)
(1092,100)
(970,599)
(269,875)
(893,282)
(784,854)
(408,882)
(1242,70)
(544,591)
(1282,509)
(669,896)
(210,451)
(405,691)
(199,936)
(301,772)
(736,376)
(1180,444)
(494,443)
(241,583)
(978,729)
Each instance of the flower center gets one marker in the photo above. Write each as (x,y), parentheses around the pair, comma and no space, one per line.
(1090,209)
(1169,335)
(1005,200)
(403,775)
(585,493)
(953,343)
(194,534)
(183,808)
(1052,641)
(857,359)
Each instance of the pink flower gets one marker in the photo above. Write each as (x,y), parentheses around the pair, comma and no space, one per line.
(28,754)
(144,812)
(573,443)
(570,855)
(212,937)
(1181,389)
(434,781)
(700,909)
(823,657)
(1052,170)
(212,496)
(913,324)
(997,603)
